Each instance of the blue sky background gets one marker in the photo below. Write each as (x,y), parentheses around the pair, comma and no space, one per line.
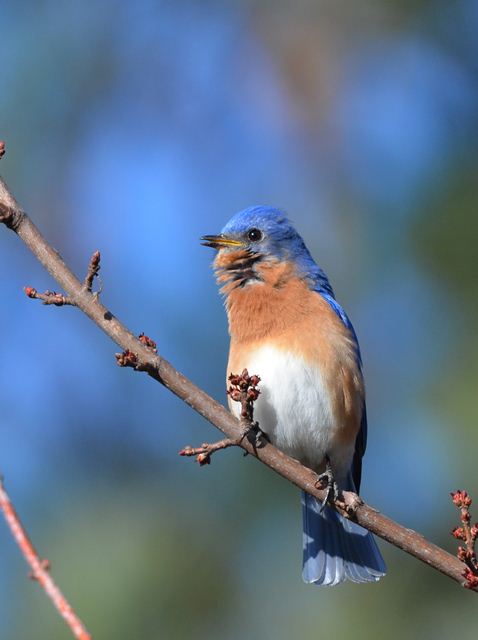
(136,129)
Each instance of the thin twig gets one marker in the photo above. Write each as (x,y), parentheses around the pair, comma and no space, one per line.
(162,371)
(40,568)
(49,297)
(204,452)
(93,271)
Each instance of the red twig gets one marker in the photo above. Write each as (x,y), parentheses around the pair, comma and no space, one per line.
(40,568)
(468,533)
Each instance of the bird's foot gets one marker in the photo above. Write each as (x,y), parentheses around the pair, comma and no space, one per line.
(254,434)
(349,502)
(326,481)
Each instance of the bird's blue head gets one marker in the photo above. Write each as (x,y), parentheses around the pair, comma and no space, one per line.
(263,233)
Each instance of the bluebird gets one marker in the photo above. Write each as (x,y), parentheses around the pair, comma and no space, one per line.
(286,326)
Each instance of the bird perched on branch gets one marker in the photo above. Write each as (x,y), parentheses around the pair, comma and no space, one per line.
(286,326)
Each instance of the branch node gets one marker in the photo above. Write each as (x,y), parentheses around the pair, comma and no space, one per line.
(148,342)
(130,359)
(45,565)
(126,359)
(61,300)
(10,217)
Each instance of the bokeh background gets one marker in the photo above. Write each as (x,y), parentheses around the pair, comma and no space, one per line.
(137,127)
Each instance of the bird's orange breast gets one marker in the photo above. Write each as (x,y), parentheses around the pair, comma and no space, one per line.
(283,312)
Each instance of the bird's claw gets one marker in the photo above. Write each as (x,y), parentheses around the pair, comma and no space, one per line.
(254,434)
(326,481)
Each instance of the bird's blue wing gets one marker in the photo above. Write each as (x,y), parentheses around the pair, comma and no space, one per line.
(361,441)
(344,318)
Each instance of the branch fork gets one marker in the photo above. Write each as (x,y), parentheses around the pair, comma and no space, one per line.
(244,389)
(60,299)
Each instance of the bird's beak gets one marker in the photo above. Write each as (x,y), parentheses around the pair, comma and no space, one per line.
(220,241)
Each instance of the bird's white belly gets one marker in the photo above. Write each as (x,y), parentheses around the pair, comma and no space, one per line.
(295,408)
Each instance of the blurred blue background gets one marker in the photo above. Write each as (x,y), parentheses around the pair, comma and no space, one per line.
(136,128)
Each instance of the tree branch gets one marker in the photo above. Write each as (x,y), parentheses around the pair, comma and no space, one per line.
(162,371)
(40,568)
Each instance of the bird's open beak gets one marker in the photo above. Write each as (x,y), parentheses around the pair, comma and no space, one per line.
(220,241)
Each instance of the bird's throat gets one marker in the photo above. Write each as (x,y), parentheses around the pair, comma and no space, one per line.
(262,299)
(235,269)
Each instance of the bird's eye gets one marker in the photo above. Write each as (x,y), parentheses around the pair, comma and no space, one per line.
(254,235)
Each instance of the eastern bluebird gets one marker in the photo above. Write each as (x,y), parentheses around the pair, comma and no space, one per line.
(286,326)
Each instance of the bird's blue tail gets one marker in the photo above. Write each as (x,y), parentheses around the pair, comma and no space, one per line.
(337,549)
